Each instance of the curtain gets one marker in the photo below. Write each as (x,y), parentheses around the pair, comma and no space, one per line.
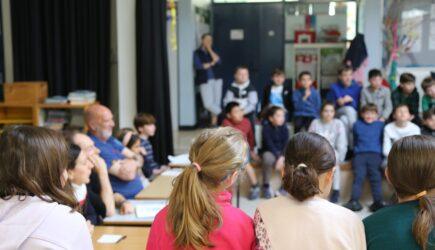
(153,73)
(64,42)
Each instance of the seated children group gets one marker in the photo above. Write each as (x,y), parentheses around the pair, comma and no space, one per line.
(346,100)
(102,172)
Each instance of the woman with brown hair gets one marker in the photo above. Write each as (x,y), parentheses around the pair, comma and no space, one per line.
(200,214)
(410,223)
(37,207)
(305,219)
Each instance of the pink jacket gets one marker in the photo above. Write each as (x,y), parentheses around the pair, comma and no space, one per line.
(236,232)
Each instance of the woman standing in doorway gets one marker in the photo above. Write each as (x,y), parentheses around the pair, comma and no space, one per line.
(205,60)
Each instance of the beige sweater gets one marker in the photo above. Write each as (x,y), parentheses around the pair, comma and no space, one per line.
(286,223)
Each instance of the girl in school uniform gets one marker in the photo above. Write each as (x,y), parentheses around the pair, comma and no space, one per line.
(200,214)
(305,219)
(37,206)
(410,223)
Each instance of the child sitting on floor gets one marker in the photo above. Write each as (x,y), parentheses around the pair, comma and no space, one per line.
(401,127)
(275,137)
(236,120)
(428,86)
(334,131)
(407,94)
(428,127)
(306,102)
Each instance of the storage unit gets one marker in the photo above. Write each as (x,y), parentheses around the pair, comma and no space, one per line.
(24,104)
(321,59)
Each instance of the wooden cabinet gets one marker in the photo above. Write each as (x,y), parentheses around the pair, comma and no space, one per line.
(24,104)
(26,113)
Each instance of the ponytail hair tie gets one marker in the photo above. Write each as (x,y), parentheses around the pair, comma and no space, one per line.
(301,165)
(197,166)
(421,194)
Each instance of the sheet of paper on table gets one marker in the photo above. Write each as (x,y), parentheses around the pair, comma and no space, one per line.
(148,210)
(134,218)
(110,238)
(174,172)
(182,159)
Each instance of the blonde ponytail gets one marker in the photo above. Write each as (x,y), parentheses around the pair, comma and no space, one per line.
(192,211)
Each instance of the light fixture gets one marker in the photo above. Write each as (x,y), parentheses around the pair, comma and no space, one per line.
(331,10)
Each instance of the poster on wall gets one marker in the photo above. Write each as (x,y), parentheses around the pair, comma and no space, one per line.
(237,34)
(413,28)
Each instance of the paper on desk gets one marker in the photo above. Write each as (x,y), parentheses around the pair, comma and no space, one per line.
(148,210)
(110,238)
(182,159)
(172,172)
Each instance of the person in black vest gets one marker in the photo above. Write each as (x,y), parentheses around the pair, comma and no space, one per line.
(278,93)
(244,93)
(210,85)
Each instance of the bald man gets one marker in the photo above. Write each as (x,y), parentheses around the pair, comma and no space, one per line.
(122,163)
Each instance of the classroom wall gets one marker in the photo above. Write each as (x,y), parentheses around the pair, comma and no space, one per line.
(126,62)
(7,40)
(114,106)
(173,78)
(372,14)
(186,46)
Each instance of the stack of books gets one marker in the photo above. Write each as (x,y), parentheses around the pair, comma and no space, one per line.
(82,97)
(58,99)
(56,119)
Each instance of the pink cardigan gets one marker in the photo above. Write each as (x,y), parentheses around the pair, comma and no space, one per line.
(236,232)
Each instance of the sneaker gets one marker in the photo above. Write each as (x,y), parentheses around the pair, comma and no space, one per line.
(281,192)
(353,205)
(334,196)
(267,193)
(254,193)
(376,206)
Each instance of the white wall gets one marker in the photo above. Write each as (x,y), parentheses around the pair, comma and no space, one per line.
(7,41)
(173,78)
(186,46)
(372,14)
(126,61)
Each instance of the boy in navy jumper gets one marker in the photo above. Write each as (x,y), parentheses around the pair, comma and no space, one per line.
(145,125)
(345,94)
(306,102)
(275,137)
(368,134)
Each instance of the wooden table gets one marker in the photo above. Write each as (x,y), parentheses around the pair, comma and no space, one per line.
(137,237)
(159,188)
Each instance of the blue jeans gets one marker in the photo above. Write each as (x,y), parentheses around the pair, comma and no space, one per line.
(364,164)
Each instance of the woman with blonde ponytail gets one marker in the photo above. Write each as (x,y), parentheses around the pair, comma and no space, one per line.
(410,223)
(199,214)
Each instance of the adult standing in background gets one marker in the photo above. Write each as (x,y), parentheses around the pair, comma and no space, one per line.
(205,60)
